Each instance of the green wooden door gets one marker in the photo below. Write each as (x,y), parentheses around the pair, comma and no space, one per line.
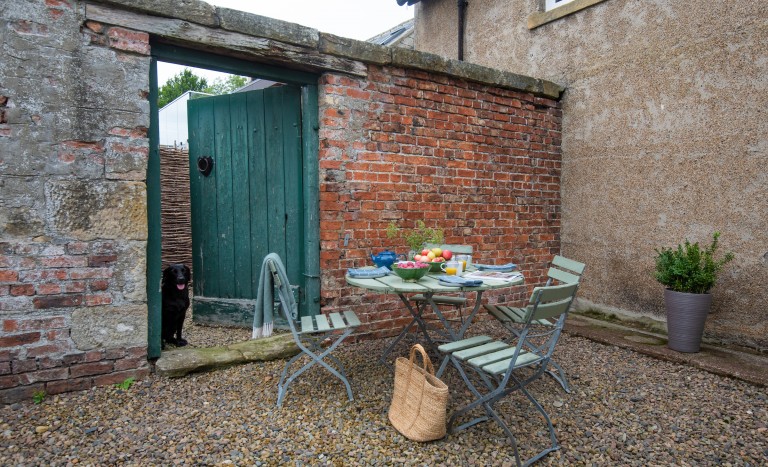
(251,202)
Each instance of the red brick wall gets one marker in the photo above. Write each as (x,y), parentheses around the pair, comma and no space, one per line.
(37,276)
(482,163)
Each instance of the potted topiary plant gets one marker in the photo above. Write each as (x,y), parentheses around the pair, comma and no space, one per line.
(689,273)
(416,237)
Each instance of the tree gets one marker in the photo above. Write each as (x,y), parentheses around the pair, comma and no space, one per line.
(178,85)
(225,86)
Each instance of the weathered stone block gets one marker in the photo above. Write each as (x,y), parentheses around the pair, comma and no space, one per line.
(23,206)
(190,10)
(87,211)
(130,273)
(262,26)
(109,327)
(358,50)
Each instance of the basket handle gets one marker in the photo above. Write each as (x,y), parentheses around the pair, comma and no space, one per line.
(426,362)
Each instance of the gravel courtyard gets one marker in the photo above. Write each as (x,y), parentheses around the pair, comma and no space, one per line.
(625,409)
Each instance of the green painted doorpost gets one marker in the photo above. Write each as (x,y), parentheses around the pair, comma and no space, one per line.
(310,249)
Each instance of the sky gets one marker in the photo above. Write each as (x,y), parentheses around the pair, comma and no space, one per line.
(357,19)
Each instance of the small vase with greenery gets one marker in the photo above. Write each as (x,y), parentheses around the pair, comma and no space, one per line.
(416,237)
(688,272)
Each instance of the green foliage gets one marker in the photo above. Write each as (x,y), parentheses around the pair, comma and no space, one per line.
(226,86)
(126,385)
(417,237)
(188,81)
(38,397)
(689,268)
(178,85)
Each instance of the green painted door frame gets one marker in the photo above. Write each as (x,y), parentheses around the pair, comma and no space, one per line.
(309,126)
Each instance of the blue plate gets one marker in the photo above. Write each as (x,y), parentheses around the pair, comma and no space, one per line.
(368,272)
(500,268)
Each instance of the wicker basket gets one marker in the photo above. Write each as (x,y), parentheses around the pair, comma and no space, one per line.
(419,400)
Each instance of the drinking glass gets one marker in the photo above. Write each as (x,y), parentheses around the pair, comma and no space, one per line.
(452,268)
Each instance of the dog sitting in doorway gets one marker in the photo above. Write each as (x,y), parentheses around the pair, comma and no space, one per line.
(175,291)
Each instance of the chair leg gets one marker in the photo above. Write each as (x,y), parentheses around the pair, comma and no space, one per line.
(552,435)
(315,359)
(559,376)
(487,402)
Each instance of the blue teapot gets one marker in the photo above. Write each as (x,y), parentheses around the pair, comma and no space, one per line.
(385,258)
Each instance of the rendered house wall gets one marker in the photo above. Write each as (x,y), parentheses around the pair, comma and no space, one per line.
(664,137)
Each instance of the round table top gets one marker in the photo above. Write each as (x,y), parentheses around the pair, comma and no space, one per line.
(427,284)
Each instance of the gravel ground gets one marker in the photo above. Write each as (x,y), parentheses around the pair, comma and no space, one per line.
(625,409)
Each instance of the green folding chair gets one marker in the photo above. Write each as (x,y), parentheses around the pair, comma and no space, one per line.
(561,271)
(499,368)
(309,332)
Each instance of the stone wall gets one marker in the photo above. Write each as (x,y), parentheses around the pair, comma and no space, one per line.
(73,226)
(403,136)
(664,137)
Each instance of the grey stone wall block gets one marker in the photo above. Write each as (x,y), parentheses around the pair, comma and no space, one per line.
(262,26)
(109,327)
(130,273)
(22,206)
(358,50)
(93,210)
(126,158)
(194,11)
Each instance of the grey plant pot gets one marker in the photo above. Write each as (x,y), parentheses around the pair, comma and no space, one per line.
(686,315)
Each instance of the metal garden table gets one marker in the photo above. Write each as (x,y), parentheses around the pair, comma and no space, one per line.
(429,285)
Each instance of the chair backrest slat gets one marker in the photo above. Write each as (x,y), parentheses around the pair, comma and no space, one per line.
(552,309)
(552,293)
(550,301)
(562,276)
(457,249)
(569,264)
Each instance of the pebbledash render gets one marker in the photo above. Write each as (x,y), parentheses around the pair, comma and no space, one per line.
(402,135)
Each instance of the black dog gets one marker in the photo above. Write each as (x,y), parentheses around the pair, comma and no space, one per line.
(175,303)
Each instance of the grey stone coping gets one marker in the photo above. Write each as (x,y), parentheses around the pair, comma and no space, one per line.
(199,12)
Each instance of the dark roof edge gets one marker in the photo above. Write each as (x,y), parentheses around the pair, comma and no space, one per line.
(202,13)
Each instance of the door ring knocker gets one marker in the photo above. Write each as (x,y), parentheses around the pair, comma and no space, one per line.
(205,165)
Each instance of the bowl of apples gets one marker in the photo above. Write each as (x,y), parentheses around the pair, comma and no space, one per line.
(435,257)
(410,271)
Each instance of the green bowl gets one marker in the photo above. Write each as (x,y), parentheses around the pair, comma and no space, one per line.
(410,274)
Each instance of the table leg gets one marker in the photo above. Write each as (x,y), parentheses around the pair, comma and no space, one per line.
(416,320)
(462,330)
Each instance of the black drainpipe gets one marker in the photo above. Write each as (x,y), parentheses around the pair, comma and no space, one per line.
(462,9)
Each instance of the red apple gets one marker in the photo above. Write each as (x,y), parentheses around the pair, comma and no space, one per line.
(425,252)
(447,254)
